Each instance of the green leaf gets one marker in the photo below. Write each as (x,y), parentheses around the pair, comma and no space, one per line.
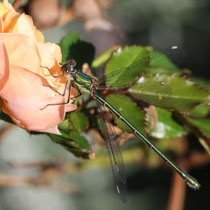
(65,125)
(165,126)
(201,124)
(200,111)
(202,82)
(169,91)
(129,63)
(73,142)
(72,46)
(81,140)
(66,43)
(160,63)
(103,57)
(75,121)
(124,57)
(128,109)
(79,121)
(155,70)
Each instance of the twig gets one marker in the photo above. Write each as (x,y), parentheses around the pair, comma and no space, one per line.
(195,159)
(178,187)
(204,144)
(177,194)
(4,131)
(43,180)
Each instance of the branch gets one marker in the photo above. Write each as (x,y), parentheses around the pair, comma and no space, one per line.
(177,194)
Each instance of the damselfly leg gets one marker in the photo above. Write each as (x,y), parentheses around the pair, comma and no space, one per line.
(67,85)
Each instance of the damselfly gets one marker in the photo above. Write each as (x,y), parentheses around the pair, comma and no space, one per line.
(90,85)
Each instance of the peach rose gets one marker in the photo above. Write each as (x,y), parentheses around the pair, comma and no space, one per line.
(23,81)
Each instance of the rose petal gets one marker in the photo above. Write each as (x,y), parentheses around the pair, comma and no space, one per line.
(49,53)
(54,130)
(23,92)
(3,10)
(1,25)
(24,25)
(21,24)
(25,95)
(39,36)
(4,67)
(8,6)
(22,51)
(9,21)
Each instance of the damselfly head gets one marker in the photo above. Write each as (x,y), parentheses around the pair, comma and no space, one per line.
(68,67)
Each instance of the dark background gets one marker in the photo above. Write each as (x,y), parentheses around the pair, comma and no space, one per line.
(159,23)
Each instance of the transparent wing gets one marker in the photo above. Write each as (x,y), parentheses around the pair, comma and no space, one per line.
(114,153)
(125,76)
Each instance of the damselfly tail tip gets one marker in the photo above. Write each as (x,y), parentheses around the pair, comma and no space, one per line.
(193,183)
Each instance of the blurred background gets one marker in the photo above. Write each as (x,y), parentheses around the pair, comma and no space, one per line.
(37,174)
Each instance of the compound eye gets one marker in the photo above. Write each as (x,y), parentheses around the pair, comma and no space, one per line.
(67,70)
(72,63)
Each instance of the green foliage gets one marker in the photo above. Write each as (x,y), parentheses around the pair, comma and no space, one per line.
(201,125)
(135,78)
(103,57)
(76,121)
(146,77)
(73,142)
(200,111)
(71,129)
(72,46)
(124,105)
(123,59)
(169,91)
(160,63)
(165,125)
(79,121)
